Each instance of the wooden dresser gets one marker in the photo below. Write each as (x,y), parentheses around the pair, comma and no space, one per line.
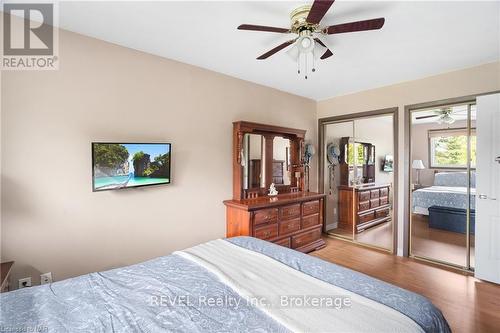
(294,220)
(363,207)
(5,269)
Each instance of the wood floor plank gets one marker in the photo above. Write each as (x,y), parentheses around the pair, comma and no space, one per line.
(469,304)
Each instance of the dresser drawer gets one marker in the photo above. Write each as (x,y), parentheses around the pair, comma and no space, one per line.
(362,218)
(374,203)
(309,208)
(306,238)
(309,221)
(265,216)
(363,196)
(365,205)
(374,194)
(284,242)
(267,231)
(286,227)
(290,212)
(384,192)
(382,212)
(384,201)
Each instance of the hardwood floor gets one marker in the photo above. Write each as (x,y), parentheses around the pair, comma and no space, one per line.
(427,242)
(380,235)
(468,304)
(439,244)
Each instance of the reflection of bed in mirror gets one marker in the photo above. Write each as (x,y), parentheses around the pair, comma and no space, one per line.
(445,202)
(449,190)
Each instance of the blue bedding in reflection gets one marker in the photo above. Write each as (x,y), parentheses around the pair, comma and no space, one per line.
(443,196)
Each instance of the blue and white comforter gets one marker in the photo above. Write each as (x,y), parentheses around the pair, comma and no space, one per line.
(172,294)
(444,196)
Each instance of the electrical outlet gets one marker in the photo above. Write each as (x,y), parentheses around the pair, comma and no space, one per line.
(26,282)
(46,278)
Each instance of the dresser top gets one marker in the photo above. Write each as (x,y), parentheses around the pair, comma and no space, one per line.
(363,187)
(279,200)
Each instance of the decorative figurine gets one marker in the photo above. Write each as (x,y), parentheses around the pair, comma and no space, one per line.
(272,190)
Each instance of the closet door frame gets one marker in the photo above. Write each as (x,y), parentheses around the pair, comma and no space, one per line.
(409,109)
(322,122)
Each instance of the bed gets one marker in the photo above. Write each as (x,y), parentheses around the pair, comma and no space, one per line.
(449,190)
(252,285)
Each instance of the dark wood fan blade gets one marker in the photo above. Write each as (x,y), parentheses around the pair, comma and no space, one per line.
(318,11)
(327,53)
(355,26)
(276,49)
(254,27)
(424,117)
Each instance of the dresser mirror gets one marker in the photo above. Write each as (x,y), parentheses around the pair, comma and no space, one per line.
(265,154)
(252,157)
(262,155)
(357,162)
(281,161)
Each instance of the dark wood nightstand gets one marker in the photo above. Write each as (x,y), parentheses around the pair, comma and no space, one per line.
(5,269)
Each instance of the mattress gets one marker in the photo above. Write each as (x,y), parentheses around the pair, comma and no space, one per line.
(163,295)
(444,196)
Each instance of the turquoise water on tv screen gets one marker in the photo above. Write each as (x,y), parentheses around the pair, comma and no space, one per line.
(108,182)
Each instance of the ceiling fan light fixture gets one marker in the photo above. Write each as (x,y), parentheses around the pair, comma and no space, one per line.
(306,24)
(446,119)
(305,44)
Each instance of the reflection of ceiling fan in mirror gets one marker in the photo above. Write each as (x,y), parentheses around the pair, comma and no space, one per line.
(305,24)
(444,116)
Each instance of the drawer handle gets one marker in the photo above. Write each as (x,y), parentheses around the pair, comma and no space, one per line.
(267,233)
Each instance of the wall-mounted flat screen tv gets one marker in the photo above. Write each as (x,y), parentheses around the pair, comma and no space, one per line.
(125,165)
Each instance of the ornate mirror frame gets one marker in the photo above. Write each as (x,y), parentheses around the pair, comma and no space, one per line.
(269,132)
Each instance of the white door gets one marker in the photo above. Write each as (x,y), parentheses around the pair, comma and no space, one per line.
(488,188)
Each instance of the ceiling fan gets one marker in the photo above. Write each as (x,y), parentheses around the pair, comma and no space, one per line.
(305,23)
(445,116)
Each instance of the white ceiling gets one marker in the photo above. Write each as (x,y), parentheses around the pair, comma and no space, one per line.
(419,39)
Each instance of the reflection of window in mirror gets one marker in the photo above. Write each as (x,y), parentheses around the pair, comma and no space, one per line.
(281,148)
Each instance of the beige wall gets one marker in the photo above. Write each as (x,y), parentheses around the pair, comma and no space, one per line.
(52,221)
(382,138)
(471,81)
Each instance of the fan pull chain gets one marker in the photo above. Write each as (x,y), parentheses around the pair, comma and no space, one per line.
(305,61)
(298,64)
(314,62)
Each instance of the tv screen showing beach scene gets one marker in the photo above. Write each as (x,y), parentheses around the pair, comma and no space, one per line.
(125,165)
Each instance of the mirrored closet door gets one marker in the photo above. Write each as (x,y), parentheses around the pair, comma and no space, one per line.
(358,178)
(443,162)
(335,135)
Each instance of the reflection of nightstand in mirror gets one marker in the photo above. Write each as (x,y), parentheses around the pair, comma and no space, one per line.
(4,275)
(415,187)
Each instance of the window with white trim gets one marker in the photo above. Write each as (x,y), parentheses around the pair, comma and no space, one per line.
(448,148)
